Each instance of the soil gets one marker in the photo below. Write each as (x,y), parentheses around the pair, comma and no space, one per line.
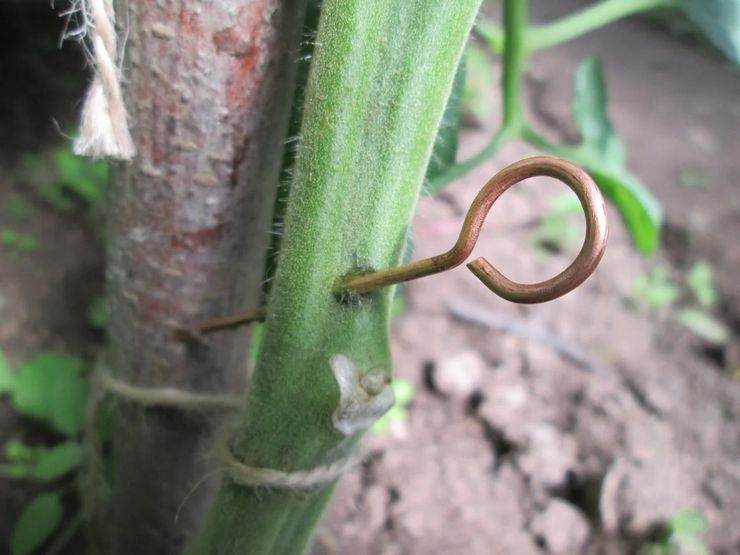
(579,426)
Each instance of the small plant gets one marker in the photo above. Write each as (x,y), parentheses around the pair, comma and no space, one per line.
(403,392)
(51,389)
(61,177)
(655,291)
(17,241)
(559,229)
(682,537)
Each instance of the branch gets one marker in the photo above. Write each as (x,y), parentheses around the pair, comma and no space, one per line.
(587,20)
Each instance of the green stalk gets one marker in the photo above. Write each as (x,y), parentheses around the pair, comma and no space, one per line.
(379,81)
(587,20)
(514,60)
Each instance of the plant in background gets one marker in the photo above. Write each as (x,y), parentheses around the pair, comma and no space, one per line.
(403,393)
(682,536)
(690,303)
(16,240)
(51,389)
(61,177)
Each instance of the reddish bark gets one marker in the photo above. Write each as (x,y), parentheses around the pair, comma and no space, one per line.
(208,91)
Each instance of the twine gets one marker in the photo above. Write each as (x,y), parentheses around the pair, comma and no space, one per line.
(255,476)
(239,473)
(104,126)
(168,396)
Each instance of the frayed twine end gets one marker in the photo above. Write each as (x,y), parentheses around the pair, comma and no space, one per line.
(104,124)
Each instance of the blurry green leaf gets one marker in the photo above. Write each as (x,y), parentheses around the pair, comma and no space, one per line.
(558,229)
(720,21)
(40,379)
(403,391)
(589,112)
(704,325)
(17,207)
(58,460)
(478,82)
(654,290)
(701,281)
(444,150)
(7,376)
(82,176)
(37,523)
(640,210)
(603,156)
(16,240)
(687,522)
(685,528)
(99,312)
(16,450)
(21,458)
(69,405)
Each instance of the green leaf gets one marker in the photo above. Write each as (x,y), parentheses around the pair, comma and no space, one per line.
(69,405)
(687,522)
(38,521)
(58,460)
(444,150)
(7,376)
(41,380)
(655,290)
(704,325)
(16,450)
(701,282)
(82,176)
(602,154)
(20,458)
(589,112)
(720,21)
(17,207)
(640,210)
(16,240)
(558,229)
(403,391)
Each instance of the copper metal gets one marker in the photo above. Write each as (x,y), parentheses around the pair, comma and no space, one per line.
(230,321)
(575,274)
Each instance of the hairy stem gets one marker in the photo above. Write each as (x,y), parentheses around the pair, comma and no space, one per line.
(379,81)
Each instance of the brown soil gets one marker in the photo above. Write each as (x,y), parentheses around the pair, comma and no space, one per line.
(580,426)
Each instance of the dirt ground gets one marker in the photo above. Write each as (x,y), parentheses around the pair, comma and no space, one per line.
(579,426)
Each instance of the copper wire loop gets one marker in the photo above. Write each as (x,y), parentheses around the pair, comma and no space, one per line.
(581,268)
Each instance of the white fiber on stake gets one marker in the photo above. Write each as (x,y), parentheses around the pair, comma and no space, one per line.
(104,126)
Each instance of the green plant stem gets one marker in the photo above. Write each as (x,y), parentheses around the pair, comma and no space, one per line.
(514,60)
(517,41)
(380,78)
(459,169)
(587,20)
(572,153)
(493,34)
